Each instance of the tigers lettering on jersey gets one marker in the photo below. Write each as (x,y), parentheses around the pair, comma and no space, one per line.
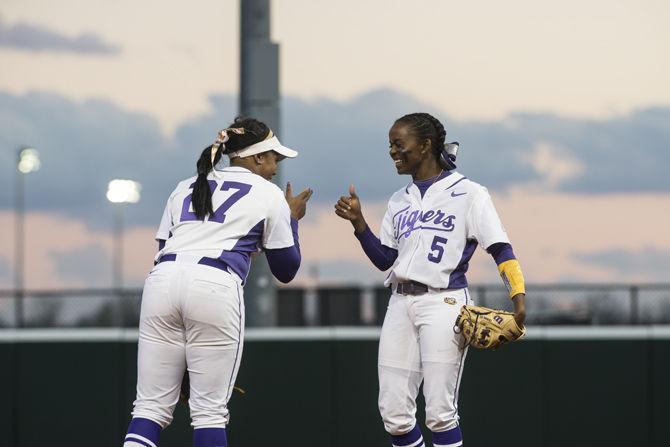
(406,221)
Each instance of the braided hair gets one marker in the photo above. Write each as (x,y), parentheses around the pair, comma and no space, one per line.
(243,133)
(426,127)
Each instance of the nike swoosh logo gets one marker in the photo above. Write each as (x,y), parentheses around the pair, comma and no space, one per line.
(453,194)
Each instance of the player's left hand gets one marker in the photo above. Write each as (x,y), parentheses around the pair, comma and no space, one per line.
(519,308)
(349,208)
(297,204)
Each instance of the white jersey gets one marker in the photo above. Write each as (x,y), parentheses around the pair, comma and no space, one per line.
(436,235)
(249,213)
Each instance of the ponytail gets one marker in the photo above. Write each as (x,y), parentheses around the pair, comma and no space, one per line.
(202,194)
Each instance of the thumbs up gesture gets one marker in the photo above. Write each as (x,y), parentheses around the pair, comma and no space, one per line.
(349,208)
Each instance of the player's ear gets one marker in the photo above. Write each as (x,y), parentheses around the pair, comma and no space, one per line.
(426,146)
(259,158)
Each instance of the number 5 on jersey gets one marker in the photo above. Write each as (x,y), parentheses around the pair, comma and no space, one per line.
(437,249)
(242,189)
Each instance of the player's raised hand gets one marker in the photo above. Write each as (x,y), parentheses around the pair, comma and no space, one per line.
(349,208)
(297,204)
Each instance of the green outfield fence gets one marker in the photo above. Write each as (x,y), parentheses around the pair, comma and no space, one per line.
(564,304)
(305,387)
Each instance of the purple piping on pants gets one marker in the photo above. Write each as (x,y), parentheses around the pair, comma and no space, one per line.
(460,366)
(239,343)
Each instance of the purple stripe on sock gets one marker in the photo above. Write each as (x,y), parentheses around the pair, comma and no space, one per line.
(448,437)
(209,437)
(138,441)
(408,438)
(145,428)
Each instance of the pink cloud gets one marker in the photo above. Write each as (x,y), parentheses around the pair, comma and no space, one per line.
(549,232)
(47,234)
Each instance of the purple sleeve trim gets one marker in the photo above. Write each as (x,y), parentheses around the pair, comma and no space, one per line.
(381,256)
(285,262)
(161,244)
(501,252)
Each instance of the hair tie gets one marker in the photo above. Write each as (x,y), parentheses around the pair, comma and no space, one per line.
(222,138)
(448,155)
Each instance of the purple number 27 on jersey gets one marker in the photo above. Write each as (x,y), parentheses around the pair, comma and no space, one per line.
(242,189)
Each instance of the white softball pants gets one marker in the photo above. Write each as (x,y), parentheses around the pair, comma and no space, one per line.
(417,344)
(192,318)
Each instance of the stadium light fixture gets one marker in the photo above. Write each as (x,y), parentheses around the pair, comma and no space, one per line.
(123,191)
(29,160)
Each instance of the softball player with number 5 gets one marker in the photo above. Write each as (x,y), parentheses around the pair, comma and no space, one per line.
(192,316)
(428,235)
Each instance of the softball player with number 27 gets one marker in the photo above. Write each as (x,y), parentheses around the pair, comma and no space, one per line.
(192,316)
(428,235)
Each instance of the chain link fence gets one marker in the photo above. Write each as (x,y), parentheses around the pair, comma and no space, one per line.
(557,304)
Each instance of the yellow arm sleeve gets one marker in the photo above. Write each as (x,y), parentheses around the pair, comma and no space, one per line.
(512,277)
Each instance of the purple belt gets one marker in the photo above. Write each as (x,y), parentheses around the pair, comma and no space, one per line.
(212,262)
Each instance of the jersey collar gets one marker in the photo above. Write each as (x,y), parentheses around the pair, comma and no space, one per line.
(454,179)
(233,169)
(447,177)
(218,172)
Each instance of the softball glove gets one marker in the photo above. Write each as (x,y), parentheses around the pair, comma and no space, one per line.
(485,328)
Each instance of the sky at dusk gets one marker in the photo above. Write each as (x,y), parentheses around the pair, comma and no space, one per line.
(562,111)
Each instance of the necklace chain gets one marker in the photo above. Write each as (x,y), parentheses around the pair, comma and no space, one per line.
(437,176)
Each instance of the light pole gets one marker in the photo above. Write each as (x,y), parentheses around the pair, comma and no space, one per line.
(28,161)
(259,98)
(120,192)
